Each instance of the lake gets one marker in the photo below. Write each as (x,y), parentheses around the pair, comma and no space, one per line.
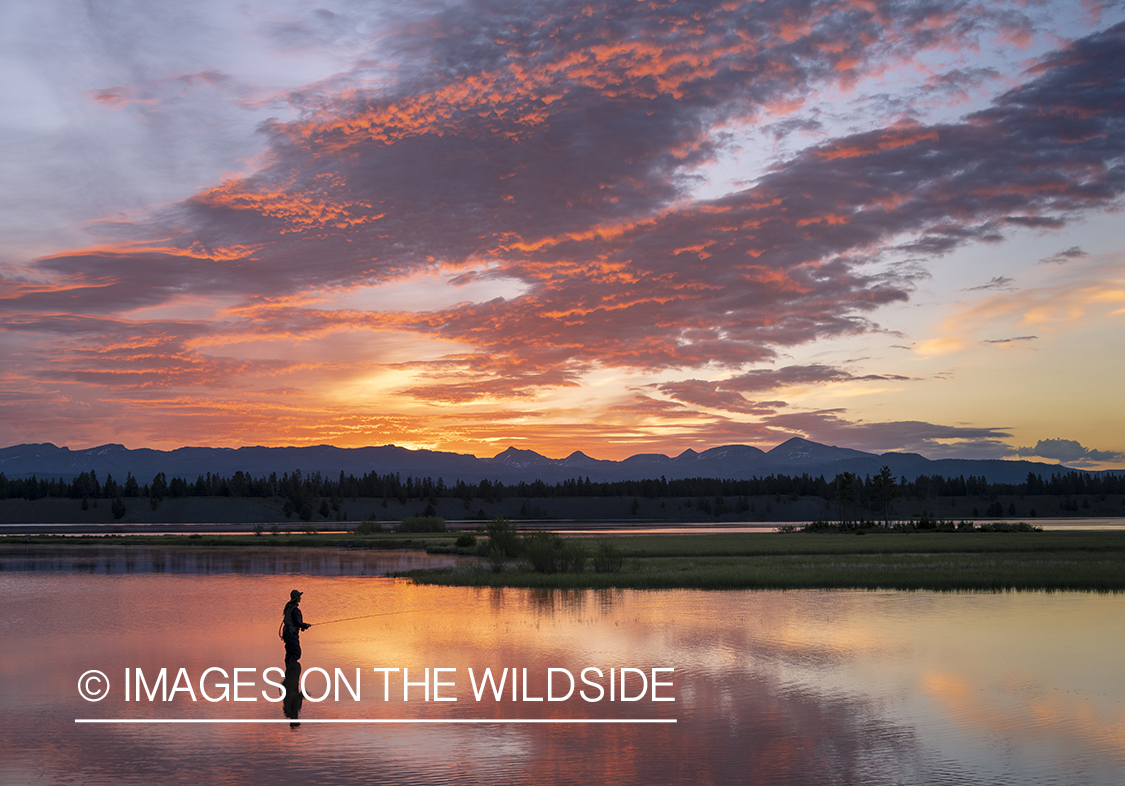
(799,687)
(572,528)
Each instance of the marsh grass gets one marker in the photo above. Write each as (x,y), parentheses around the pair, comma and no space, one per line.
(751,545)
(986,561)
(904,572)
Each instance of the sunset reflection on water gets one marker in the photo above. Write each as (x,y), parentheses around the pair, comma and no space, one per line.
(770,687)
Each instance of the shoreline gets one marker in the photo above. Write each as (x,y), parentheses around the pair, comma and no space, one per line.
(942,561)
(577,527)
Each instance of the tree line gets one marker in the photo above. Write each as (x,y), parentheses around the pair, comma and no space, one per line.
(300,489)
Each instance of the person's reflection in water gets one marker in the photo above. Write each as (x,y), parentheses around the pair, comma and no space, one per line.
(291,704)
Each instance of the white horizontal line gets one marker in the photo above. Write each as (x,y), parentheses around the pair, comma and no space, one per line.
(375,720)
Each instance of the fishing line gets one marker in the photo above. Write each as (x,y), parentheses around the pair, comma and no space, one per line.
(367,616)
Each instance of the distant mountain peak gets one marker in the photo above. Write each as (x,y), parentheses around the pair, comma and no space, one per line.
(733,451)
(580,459)
(799,450)
(798,442)
(519,457)
(512,450)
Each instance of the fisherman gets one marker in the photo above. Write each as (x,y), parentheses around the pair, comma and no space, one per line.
(291,626)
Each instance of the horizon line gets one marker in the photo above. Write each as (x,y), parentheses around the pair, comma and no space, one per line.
(898,451)
(1048,462)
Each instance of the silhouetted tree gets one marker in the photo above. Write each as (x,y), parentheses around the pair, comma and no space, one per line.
(883,493)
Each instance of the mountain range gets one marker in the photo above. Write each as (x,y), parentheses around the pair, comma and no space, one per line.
(794,457)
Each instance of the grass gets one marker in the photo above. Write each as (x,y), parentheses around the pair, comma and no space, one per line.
(930,561)
(763,545)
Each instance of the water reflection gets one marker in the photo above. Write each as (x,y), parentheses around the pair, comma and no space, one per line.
(770,687)
(110,560)
(293,699)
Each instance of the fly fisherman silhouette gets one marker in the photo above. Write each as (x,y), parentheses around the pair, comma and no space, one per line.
(292,624)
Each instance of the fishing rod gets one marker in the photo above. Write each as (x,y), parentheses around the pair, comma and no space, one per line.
(368,616)
(281,627)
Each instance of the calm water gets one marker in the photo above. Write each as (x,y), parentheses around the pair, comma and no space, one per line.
(770,687)
(571,528)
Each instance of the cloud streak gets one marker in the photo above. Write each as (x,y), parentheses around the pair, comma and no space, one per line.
(1072,253)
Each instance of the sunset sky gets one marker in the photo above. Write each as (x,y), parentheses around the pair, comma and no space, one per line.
(617,228)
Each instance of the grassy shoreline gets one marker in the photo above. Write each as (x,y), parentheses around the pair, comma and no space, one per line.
(1087,561)
(917,561)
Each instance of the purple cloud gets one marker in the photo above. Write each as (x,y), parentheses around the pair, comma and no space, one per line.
(912,436)
(1069,451)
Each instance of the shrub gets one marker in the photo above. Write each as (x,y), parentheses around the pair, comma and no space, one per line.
(607,557)
(541,551)
(367,526)
(548,553)
(466,541)
(1008,526)
(496,558)
(502,535)
(572,555)
(117,507)
(421,524)
(819,525)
